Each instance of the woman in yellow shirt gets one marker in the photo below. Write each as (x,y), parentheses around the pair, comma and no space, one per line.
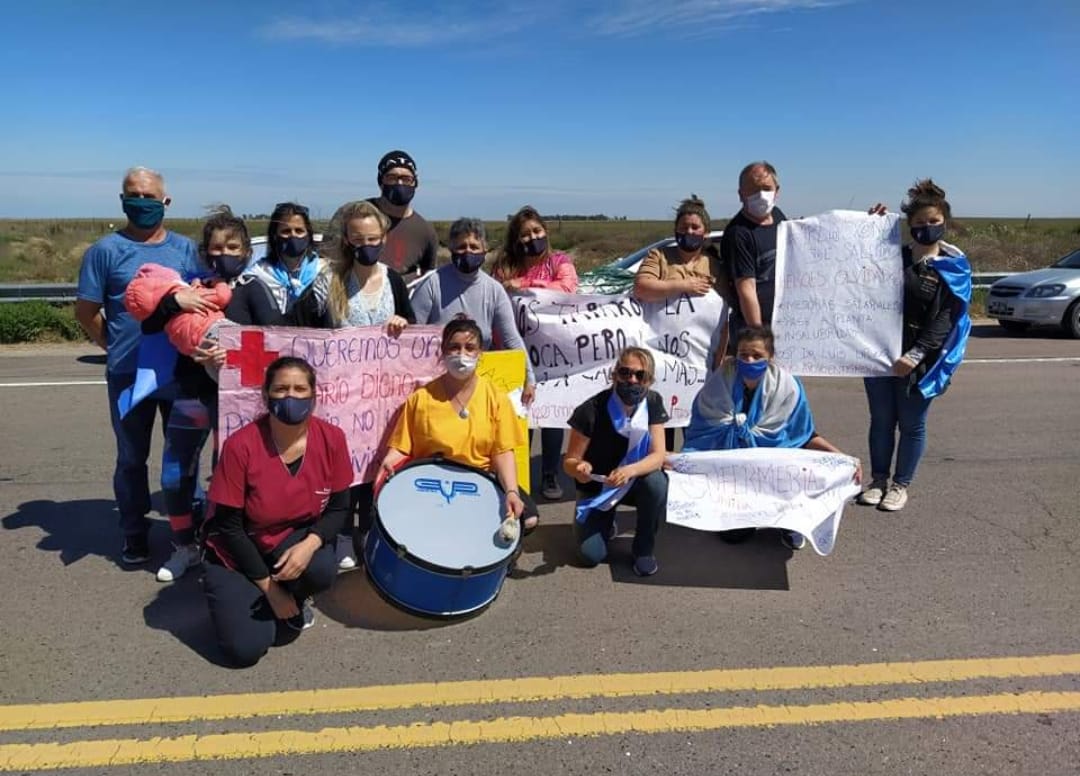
(463,417)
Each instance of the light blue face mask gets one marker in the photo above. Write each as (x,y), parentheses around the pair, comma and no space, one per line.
(751,370)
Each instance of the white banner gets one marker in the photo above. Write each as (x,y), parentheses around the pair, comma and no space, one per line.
(795,489)
(573,341)
(839,294)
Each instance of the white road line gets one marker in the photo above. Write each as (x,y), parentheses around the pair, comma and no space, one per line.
(1047,360)
(48,385)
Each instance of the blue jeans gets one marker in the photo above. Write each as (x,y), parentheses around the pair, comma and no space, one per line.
(186,432)
(551,440)
(649,495)
(131,484)
(892,405)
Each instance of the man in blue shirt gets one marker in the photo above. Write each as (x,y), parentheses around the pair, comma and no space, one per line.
(107,268)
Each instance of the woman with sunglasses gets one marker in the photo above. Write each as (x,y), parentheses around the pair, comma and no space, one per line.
(291,283)
(616,455)
(754,402)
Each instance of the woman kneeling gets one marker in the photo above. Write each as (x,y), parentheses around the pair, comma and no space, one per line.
(280,495)
(620,433)
(753,402)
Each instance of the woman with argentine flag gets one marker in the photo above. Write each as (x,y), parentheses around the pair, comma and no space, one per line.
(616,454)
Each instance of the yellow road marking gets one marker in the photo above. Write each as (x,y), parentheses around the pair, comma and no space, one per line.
(234,746)
(529,689)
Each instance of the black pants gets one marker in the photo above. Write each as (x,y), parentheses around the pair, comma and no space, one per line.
(241,615)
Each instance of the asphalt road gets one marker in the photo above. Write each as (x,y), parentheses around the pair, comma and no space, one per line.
(982,564)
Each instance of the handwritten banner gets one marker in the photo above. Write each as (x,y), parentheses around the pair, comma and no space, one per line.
(839,294)
(573,341)
(362,377)
(794,489)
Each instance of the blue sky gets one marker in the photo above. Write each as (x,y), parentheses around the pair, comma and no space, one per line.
(621,107)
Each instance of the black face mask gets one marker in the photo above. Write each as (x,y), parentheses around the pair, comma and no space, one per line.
(368,255)
(467,262)
(630,393)
(928,234)
(398,194)
(228,266)
(689,242)
(293,247)
(536,246)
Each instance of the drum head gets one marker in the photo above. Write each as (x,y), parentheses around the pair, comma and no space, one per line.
(446,515)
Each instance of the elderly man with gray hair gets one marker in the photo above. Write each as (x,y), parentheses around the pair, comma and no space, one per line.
(107,267)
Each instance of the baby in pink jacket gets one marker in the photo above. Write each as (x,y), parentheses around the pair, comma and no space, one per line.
(186,331)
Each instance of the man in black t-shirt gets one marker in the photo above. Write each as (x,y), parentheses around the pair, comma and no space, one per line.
(411,243)
(748,247)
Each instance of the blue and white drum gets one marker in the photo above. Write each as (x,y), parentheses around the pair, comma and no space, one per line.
(434,547)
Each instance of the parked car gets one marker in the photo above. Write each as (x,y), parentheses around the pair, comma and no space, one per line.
(1044,297)
(617,275)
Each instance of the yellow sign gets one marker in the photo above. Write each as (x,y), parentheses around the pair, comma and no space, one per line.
(506,369)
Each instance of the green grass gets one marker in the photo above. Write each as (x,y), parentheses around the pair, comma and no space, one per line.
(49,250)
(38,321)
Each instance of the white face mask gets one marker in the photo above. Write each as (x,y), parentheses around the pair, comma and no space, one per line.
(761,203)
(460,366)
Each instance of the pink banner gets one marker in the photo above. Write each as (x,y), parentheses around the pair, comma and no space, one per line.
(362,377)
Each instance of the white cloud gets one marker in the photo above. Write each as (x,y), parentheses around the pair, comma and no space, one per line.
(634,17)
(382,26)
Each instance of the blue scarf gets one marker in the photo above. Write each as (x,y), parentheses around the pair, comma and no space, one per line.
(295,285)
(956,273)
(636,430)
(778,415)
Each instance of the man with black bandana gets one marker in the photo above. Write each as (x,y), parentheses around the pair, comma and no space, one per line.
(411,244)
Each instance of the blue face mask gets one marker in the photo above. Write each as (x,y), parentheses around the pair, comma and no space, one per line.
(928,234)
(467,262)
(751,370)
(293,247)
(368,255)
(228,266)
(689,242)
(536,246)
(144,213)
(399,194)
(291,410)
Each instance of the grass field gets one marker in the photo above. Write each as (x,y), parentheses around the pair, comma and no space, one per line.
(50,250)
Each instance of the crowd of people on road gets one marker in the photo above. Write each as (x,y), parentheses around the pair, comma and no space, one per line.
(282,512)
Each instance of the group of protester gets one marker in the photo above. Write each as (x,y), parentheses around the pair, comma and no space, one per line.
(284,512)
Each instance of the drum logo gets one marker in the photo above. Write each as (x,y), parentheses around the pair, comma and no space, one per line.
(456,487)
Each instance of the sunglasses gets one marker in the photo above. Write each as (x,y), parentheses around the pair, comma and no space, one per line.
(625,373)
(298,209)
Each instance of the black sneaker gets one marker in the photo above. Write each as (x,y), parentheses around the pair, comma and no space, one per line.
(793,540)
(136,551)
(646,565)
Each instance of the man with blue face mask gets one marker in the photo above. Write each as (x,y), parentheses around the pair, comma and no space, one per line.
(411,244)
(748,247)
(107,268)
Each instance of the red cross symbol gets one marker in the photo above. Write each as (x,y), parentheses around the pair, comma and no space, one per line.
(252,358)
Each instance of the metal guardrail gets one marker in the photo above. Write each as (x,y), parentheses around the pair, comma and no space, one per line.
(60,293)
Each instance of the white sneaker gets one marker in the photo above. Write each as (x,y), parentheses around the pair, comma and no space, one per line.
(873,495)
(184,557)
(895,498)
(346,557)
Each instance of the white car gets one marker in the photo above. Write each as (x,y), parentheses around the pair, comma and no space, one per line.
(1043,297)
(618,275)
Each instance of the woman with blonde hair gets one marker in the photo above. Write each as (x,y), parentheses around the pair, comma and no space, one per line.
(363,290)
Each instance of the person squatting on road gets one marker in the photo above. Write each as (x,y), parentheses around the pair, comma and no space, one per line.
(937,294)
(527,261)
(108,266)
(616,455)
(463,417)
(280,494)
(753,402)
